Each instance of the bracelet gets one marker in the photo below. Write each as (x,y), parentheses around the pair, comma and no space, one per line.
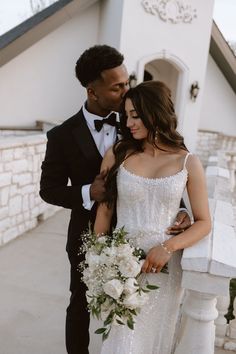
(166,249)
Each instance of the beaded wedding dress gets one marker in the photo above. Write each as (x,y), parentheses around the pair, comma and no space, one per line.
(146,207)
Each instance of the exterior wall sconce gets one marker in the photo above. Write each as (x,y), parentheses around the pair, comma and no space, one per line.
(194,90)
(133,80)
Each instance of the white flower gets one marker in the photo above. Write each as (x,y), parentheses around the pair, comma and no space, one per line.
(101,239)
(135,300)
(113,288)
(130,286)
(110,273)
(92,259)
(130,267)
(111,255)
(124,251)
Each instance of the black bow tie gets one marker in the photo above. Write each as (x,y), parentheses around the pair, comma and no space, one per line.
(111,120)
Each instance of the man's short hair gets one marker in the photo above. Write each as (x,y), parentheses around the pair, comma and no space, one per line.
(94,60)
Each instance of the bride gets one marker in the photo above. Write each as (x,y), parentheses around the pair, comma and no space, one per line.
(148,172)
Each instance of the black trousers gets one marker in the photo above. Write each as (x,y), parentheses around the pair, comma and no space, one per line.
(77,316)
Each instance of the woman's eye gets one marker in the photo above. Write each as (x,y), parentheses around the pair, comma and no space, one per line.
(135,117)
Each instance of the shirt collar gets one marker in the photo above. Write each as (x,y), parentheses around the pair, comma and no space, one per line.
(90,117)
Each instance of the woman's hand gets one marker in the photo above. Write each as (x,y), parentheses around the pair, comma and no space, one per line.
(155,260)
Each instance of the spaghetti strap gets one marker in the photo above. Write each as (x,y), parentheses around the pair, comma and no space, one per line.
(185,159)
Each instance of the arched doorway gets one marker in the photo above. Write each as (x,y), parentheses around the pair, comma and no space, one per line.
(168,68)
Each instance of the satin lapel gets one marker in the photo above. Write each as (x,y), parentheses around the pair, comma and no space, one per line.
(85,140)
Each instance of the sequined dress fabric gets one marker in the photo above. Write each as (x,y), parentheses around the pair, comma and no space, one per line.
(146,207)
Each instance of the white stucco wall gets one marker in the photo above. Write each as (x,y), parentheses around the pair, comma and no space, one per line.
(40,83)
(218,111)
(145,35)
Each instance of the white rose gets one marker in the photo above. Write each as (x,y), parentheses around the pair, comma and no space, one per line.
(130,286)
(110,253)
(101,239)
(124,250)
(135,300)
(113,288)
(110,273)
(92,259)
(129,268)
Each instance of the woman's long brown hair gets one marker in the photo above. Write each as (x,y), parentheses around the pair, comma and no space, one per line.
(153,104)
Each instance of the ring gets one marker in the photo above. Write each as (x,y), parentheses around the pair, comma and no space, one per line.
(153,270)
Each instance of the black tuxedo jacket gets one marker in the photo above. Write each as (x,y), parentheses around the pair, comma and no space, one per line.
(71,155)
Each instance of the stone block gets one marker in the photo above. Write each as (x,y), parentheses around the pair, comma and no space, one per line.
(30,188)
(25,204)
(7,155)
(5,179)
(40,148)
(22,179)
(13,190)
(4,196)
(31,201)
(35,212)
(15,205)
(4,212)
(21,229)
(17,166)
(19,153)
(4,224)
(10,234)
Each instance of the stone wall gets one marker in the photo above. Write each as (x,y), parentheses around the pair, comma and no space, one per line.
(209,143)
(21,207)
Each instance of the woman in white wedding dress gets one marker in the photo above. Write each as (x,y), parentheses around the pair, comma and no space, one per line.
(148,172)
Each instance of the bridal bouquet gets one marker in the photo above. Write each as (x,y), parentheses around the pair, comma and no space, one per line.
(111,271)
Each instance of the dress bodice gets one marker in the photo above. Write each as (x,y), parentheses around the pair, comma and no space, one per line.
(147,206)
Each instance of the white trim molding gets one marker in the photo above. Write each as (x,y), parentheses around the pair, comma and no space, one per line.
(174,11)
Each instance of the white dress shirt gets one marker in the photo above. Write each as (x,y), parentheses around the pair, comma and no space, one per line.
(103,140)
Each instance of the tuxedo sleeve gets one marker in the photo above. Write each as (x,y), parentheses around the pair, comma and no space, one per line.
(54,188)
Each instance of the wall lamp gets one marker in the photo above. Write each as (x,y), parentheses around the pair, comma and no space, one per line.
(133,80)
(194,90)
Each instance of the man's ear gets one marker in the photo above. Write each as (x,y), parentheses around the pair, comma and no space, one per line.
(91,93)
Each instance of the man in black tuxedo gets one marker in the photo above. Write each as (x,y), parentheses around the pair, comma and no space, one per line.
(74,152)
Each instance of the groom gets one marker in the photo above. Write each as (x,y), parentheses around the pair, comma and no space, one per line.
(74,152)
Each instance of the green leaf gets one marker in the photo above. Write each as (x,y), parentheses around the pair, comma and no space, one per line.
(130,323)
(152,287)
(100,330)
(120,322)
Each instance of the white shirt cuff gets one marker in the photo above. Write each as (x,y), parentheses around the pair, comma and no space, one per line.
(87,202)
(185,210)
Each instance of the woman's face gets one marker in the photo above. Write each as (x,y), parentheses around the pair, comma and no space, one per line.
(134,123)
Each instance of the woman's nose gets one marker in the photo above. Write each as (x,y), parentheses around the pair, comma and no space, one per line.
(129,122)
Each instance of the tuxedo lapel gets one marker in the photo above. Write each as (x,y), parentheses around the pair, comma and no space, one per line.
(85,140)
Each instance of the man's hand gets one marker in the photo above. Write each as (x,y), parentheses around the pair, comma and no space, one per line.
(97,188)
(181,223)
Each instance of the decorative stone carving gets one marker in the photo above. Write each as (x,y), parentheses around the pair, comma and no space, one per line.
(174,11)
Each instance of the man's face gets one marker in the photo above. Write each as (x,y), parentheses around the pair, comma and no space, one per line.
(108,91)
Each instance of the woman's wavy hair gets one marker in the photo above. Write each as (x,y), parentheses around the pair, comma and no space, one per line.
(153,104)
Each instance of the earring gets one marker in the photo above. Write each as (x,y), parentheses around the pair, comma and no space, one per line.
(156,136)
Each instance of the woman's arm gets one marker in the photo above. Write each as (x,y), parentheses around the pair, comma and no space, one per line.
(104,213)
(158,256)
(197,193)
